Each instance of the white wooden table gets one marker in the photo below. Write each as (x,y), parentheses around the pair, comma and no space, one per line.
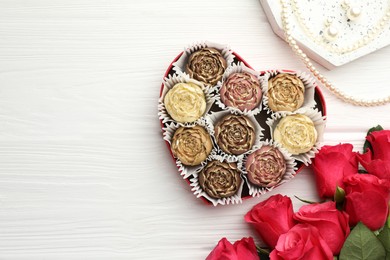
(84,172)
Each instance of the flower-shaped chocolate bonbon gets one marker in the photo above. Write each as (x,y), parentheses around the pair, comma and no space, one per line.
(206,65)
(220,179)
(185,102)
(265,166)
(191,145)
(296,133)
(242,91)
(286,92)
(235,134)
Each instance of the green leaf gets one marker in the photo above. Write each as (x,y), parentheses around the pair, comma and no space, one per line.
(384,237)
(263,253)
(362,244)
(366,143)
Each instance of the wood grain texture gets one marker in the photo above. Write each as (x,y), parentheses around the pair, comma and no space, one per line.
(84,172)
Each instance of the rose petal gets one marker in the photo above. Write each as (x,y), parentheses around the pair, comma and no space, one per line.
(369,207)
(246,249)
(331,165)
(380,142)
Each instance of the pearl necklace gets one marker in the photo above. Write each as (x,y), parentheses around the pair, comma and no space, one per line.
(371,35)
(341,95)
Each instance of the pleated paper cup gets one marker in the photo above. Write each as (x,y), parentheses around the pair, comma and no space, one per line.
(180,65)
(257,191)
(216,117)
(169,83)
(200,192)
(307,80)
(168,133)
(319,122)
(241,68)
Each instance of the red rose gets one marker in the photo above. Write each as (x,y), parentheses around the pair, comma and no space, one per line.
(380,142)
(331,165)
(271,218)
(376,167)
(367,200)
(302,242)
(377,161)
(241,249)
(330,222)
(364,182)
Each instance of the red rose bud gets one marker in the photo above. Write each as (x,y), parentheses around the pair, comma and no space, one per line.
(331,165)
(380,142)
(271,218)
(366,200)
(331,223)
(377,161)
(339,195)
(241,249)
(364,182)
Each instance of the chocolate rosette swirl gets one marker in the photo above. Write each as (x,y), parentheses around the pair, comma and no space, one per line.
(220,179)
(266,166)
(296,133)
(191,145)
(242,91)
(206,65)
(285,92)
(185,102)
(235,134)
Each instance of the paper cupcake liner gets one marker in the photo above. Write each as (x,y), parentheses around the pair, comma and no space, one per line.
(227,53)
(238,68)
(215,117)
(169,83)
(319,124)
(168,132)
(257,191)
(308,81)
(199,192)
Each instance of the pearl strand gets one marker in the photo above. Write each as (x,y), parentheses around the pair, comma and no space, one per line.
(341,95)
(371,35)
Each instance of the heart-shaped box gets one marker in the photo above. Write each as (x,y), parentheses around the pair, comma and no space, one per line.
(265,120)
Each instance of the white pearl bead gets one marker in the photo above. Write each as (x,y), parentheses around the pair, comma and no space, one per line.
(331,33)
(328,21)
(353,13)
